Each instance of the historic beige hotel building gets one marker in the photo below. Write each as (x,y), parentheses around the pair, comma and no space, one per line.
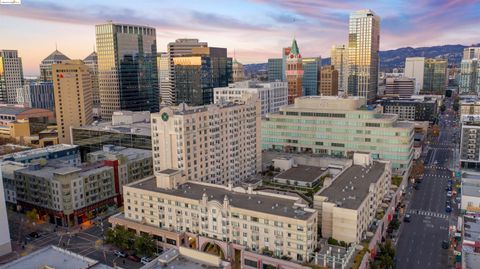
(214,143)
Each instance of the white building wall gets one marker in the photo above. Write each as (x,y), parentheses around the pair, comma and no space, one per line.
(5,244)
(414,68)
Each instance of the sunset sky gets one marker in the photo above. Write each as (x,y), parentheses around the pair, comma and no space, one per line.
(256,29)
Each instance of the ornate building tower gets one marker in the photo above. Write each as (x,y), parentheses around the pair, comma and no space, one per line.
(294,72)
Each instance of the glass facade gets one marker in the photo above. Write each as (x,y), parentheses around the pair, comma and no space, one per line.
(94,140)
(274,69)
(339,134)
(127,66)
(435,76)
(193,80)
(311,75)
(363,49)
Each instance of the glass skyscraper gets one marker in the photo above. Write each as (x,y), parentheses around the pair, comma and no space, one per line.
(127,66)
(275,69)
(435,77)
(311,75)
(363,48)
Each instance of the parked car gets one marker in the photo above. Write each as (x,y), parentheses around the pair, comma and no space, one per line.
(445,244)
(119,253)
(448,209)
(407,218)
(145,260)
(134,258)
(449,194)
(32,235)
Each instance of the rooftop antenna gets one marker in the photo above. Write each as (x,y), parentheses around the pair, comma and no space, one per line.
(56,48)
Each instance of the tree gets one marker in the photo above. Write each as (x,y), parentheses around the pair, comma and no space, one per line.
(119,237)
(32,214)
(418,169)
(443,108)
(144,245)
(386,257)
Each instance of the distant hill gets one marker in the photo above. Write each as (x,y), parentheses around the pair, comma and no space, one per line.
(396,58)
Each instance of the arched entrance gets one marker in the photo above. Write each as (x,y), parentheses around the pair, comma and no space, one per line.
(214,249)
(192,242)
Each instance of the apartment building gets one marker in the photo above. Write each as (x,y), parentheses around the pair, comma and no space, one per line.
(347,205)
(272,95)
(470,141)
(216,143)
(339,126)
(194,214)
(68,154)
(131,164)
(63,194)
(411,109)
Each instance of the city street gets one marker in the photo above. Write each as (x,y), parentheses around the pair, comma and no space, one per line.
(87,241)
(420,242)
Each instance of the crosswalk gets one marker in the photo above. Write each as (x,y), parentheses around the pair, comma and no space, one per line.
(437,176)
(427,213)
(436,167)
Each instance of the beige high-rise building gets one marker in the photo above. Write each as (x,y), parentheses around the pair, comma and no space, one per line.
(217,143)
(163,67)
(328,81)
(415,68)
(73,97)
(339,60)
(363,49)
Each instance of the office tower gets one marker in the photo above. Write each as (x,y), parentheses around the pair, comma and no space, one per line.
(55,57)
(414,68)
(181,47)
(275,69)
(471,53)
(11,75)
(92,63)
(218,143)
(285,53)
(339,60)
(197,75)
(193,80)
(356,129)
(37,95)
(402,87)
(311,75)
(163,68)
(5,244)
(238,71)
(469,71)
(127,68)
(73,97)
(272,95)
(435,77)
(363,48)
(294,72)
(328,81)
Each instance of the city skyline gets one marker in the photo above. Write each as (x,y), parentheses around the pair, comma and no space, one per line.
(257,30)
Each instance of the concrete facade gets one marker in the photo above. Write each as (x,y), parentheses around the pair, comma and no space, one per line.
(217,143)
(272,95)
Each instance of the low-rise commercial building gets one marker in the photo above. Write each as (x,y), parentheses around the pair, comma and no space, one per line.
(400,86)
(272,95)
(55,258)
(470,241)
(470,192)
(347,205)
(69,154)
(470,141)
(338,127)
(196,215)
(411,109)
(304,176)
(127,129)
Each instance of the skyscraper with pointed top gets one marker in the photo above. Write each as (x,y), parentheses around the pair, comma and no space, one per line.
(294,72)
(56,57)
